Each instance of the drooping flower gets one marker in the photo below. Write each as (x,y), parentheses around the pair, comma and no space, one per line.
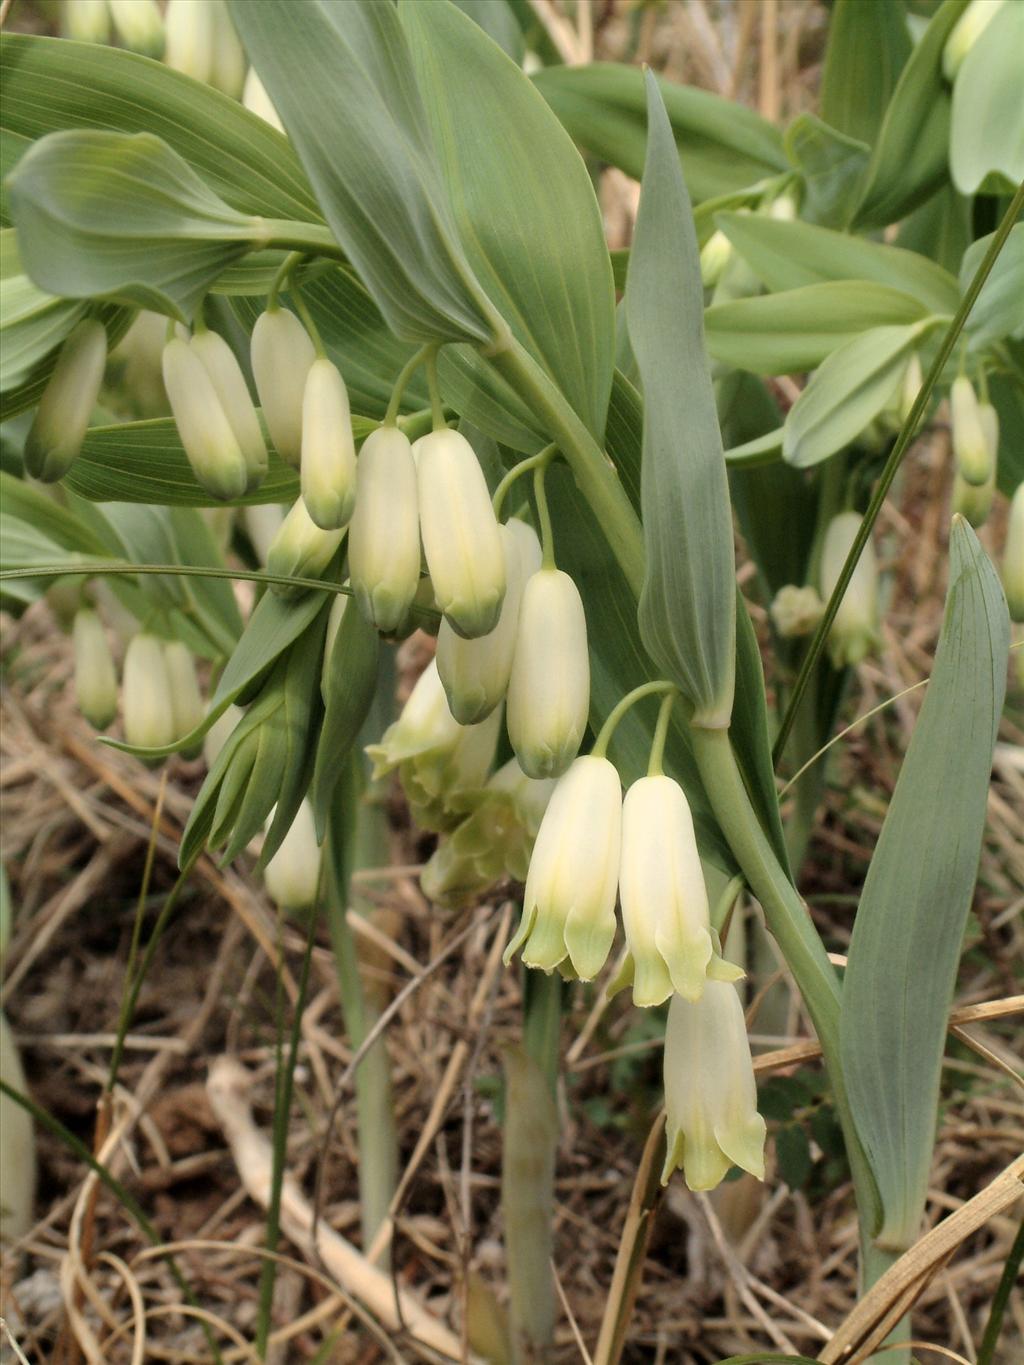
(971,441)
(231,389)
(855,628)
(62,418)
(384,536)
(206,433)
(147,707)
(300,549)
(186,699)
(292,876)
(95,675)
(327,471)
(282,354)
(1013,557)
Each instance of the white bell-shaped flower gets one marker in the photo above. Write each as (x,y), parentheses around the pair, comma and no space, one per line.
(292,876)
(710,1092)
(206,433)
(86,21)
(664,900)
(971,445)
(461,538)
(95,675)
(1013,558)
(62,418)
(384,536)
(139,25)
(281,355)
(230,387)
(186,700)
(569,903)
(147,707)
(476,672)
(327,471)
(257,101)
(549,689)
(300,548)
(189,38)
(855,628)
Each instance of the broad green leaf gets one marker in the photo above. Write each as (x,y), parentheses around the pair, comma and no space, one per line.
(522,202)
(749,732)
(688,603)
(986,140)
(868,46)
(757,452)
(910,922)
(350,675)
(849,390)
(939,228)
(724,146)
(32,322)
(786,255)
(28,503)
(123,216)
(910,158)
(998,311)
(831,165)
(211,600)
(343,83)
(796,329)
(25,546)
(499,22)
(12,148)
(51,84)
(26,392)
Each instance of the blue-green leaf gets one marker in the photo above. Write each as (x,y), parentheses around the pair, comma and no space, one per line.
(986,141)
(868,46)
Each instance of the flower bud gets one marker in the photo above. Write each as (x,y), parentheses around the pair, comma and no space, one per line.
(384,537)
(62,418)
(855,629)
(476,672)
(231,389)
(569,903)
(971,501)
(292,876)
(461,539)
(910,386)
(334,619)
(257,101)
(966,32)
(710,1092)
(139,25)
(971,449)
(328,467)
(796,611)
(188,46)
(1013,558)
(186,700)
(95,676)
(86,21)
(714,257)
(549,690)
(300,549)
(228,66)
(664,900)
(281,356)
(146,702)
(210,443)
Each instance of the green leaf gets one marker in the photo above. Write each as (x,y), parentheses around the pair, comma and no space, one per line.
(750,735)
(26,391)
(123,216)
(939,228)
(997,311)
(849,390)
(51,84)
(522,204)
(1007,395)
(793,1153)
(32,321)
(832,166)
(986,142)
(786,255)
(30,504)
(909,161)
(498,21)
(12,147)
(343,83)
(24,546)
(797,328)
(687,609)
(910,923)
(725,146)
(351,682)
(868,46)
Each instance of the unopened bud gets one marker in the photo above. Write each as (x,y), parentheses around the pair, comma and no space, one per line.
(186,700)
(855,628)
(476,672)
(328,468)
(910,387)
(710,1091)
(146,702)
(796,611)
(973,501)
(139,25)
(569,903)
(188,47)
(300,549)
(974,458)
(228,68)
(95,675)
(664,900)
(966,32)
(206,434)
(714,257)
(783,208)
(281,356)
(62,418)
(229,384)
(257,101)
(549,690)
(1013,557)
(461,539)
(86,21)
(384,537)
(292,876)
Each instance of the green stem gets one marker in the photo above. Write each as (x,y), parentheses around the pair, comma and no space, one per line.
(289,263)
(654,768)
(302,309)
(1007,1280)
(595,475)
(308,239)
(542,1022)
(617,712)
(401,383)
(547,535)
(542,458)
(434,388)
(892,465)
